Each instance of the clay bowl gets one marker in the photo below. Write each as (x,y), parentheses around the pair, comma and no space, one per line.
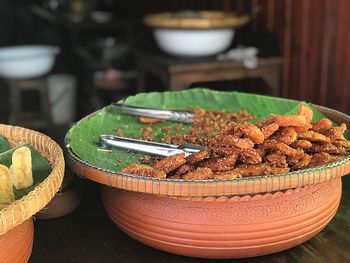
(235,218)
(16,245)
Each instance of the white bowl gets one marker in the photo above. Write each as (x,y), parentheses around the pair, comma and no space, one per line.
(19,62)
(194,42)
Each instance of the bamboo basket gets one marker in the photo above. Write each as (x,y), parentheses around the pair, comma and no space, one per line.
(18,213)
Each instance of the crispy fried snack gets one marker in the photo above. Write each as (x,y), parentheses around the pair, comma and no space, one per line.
(252,169)
(21,168)
(232,140)
(276,159)
(277,145)
(252,132)
(199,173)
(197,157)
(220,164)
(182,170)
(288,120)
(286,135)
(322,125)
(170,163)
(314,137)
(6,191)
(305,111)
(269,129)
(302,144)
(144,170)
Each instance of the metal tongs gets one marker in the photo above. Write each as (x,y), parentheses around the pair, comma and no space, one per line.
(172,115)
(152,148)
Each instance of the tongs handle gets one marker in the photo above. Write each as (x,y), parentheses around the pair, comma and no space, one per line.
(172,115)
(153,148)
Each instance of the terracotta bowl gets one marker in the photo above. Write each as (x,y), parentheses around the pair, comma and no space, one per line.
(224,227)
(16,245)
(235,218)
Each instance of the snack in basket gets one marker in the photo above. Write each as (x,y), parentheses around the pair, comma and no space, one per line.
(279,144)
(21,168)
(6,192)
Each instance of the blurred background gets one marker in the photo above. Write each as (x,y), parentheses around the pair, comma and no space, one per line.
(106,52)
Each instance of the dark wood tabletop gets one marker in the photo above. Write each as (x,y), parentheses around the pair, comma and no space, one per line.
(88,236)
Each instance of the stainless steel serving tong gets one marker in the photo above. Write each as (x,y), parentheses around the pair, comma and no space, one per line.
(172,115)
(152,148)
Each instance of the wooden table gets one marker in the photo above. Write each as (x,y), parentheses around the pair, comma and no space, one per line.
(178,73)
(89,236)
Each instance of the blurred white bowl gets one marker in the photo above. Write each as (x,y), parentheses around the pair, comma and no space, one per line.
(30,61)
(194,42)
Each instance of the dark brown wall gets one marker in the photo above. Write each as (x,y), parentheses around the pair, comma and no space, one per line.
(314,36)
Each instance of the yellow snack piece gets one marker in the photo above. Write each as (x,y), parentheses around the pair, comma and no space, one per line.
(6,191)
(21,168)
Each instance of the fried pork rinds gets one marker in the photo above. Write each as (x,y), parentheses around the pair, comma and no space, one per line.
(252,132)
(144,170)
(288,120)
(342,143)
(287,135)
(226,175)
(322,125)
(314,137)
(305,111)
(304,128)
(302,144)
(303,162)
(249,156)
(199,173)
(278,146)
(276,159)
(220,164)
(222,151)
(328,148)
(242,143)
(269,129)
(170,163)
(294,159)
(21,168)
(320,159)
(6,191)
(197,157)
(246,170)
(185,168)
(336,133)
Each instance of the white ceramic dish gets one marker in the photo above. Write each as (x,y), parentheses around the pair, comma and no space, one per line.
(30,61)
(194,42)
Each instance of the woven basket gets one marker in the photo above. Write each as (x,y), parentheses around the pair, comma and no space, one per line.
(22,209)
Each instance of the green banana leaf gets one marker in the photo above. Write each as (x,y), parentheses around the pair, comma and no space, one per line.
(41,168)
(83,137)
(4,144)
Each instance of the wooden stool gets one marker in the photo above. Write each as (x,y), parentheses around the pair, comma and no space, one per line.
(30,119)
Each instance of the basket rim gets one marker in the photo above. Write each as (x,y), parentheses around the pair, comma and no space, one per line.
(213,187)
(205,19)
(25,207)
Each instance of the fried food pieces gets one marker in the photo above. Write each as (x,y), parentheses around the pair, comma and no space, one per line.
(279,144)
(21,168)
(6,192)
